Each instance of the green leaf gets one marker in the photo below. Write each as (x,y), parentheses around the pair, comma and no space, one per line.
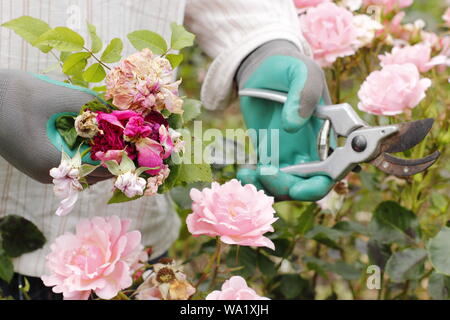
(75,63)
(94,105)
(113,52)
(325,235)
(350,227)
(282,247)
(406,265)
(20,235)
(439,251)
(439,286)
(192,109)
(119,197)
(30,29)
(266,265)
(345,270)
(96,42)
(142,39)
(180,37)
(378,253)
(94,73)
(393,223)
(439,201)
(86,169)
(246,258)
(65,125)
(175,121)
(292,285)
(62,39)
(6,267)
(318,265)
(195,173)
(306,220)
(175,59)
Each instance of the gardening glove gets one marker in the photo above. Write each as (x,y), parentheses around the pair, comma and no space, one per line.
(28,140)
(279,65)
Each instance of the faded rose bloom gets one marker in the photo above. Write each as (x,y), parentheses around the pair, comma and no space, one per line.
(101,257)
(366,29)
(405,90)
(446,17)
(235,288)
(154,182)
(237,214)
(389,5)
(330,31)
(334,200)
(419,55)
(178,143)
(86,124)
(308,3)
(66,180)
(130,184)
(143,82)
(165,282)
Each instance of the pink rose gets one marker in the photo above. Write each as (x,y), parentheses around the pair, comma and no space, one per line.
(446,17)
(389,5)
(235,288)
(100,257)
(308,3)
(330,31)
(419,55)
(392,90)
(238,214)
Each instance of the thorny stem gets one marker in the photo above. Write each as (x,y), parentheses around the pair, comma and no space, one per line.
(214,260)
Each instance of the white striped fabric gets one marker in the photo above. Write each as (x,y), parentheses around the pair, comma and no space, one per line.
(229,30)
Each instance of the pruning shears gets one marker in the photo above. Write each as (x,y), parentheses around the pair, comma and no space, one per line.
(364,143)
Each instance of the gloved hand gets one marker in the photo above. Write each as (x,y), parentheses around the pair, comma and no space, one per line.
(279,65)
(27,102)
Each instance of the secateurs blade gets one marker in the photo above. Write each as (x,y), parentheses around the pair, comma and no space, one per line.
(364,144)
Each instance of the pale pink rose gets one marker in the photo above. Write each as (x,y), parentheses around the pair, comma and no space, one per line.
(446,17)
(392,90)
(66,180)
(419,55)
(166,141)
(100,257)
(308,3)
(389,5)
(130,184)
(235,288)
(330,31)
(237,214)
(143,82)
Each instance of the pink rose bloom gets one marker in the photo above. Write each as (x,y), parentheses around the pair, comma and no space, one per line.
(237,214)
(143,82)
(330,31)
(100,257)
(392,90)
(419,55)
(235,288)
(308,3)
(446,17)
(389,5)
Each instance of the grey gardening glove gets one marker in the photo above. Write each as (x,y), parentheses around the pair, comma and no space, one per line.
(26,104)
(279,65)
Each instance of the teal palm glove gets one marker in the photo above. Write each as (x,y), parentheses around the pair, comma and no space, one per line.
(29,105)
(280,66)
